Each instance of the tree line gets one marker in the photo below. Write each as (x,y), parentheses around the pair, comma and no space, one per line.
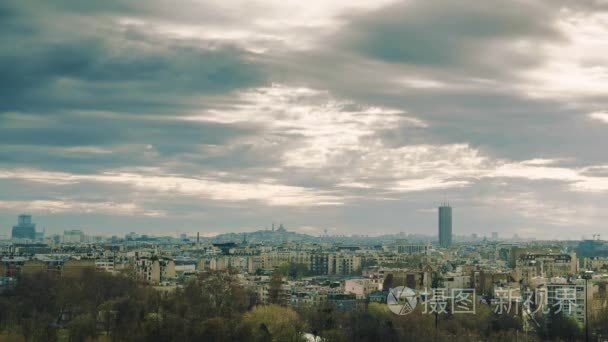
(217,306)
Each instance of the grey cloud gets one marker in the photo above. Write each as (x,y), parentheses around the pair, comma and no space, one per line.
(62,69)
(497,117)
(74,78)
(190,11)
(89,76)
(103,67)
(43,141)
(466,34)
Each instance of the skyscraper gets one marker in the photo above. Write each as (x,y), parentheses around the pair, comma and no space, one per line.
(445,225)
(24,229)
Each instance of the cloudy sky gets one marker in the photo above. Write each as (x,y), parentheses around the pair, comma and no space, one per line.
(355,116)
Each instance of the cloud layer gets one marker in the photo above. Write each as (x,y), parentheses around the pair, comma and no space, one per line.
(354,116)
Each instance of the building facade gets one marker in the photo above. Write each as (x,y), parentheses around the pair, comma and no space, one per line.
(73,236)
(445,225)
(569,299)
(154,270)
(24,229)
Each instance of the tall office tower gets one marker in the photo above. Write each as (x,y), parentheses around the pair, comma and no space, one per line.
(445,225)
(24,229)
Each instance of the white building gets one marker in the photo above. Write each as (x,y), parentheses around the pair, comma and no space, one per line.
(569,298)
(405,247)
(106,265)
(361,287)
(185,265)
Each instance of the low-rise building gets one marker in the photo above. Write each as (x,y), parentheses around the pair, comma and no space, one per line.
(361,287)
(154,270)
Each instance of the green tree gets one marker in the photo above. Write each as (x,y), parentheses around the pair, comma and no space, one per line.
(387,284)
(599,324)
(294,270)
(559,327)
(275,323)
(275,288)
(81,327)
(225,295)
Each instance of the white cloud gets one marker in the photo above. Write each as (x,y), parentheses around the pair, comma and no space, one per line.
(577,66)
(599,116)
(322,127)
(86,150)
(429,183)
(67,205)
(410,168)
(257,27)
(338,141)
(271,194)
(576,177)
(420,83)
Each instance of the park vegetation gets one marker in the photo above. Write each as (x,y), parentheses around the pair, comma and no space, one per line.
(216,306)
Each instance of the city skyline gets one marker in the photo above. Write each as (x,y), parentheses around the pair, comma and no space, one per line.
(354,117)
(444,237)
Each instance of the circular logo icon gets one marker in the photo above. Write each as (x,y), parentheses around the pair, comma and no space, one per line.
(401,300)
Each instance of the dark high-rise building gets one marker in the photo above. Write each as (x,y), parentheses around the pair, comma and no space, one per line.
(592,248)
(24,229)
(445,225)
